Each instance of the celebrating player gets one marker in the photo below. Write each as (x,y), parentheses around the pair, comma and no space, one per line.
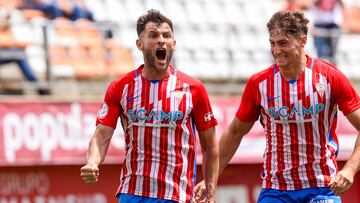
(159,108)
(297,100)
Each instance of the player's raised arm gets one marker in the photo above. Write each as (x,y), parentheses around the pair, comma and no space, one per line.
(96,152)
(210,164)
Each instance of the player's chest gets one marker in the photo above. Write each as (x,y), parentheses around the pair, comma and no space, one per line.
(296,101)
(172,105)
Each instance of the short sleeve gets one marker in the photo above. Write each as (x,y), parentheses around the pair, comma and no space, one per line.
(249,109)
(344,94)
(109,111)
(202,111)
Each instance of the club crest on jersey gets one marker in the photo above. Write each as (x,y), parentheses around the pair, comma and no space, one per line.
(320,88)
(103,111)
(178,95)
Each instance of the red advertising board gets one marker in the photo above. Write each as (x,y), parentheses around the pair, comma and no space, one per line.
(43,145)
(62,184)
(47,133)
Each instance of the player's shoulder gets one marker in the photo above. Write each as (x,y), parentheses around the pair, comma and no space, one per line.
(122,80)
(325,68)
(187,78)
(263,74)
(322,65)
(128,77)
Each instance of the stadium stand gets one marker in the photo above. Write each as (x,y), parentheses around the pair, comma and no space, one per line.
(219,41)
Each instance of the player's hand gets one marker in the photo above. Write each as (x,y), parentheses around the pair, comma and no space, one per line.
(342,181)
(200,193)
(89,173)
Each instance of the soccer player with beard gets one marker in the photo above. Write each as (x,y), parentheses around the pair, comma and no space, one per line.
(159,108)
(297,100)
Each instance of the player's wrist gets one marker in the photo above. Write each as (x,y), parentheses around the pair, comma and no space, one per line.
(210,198)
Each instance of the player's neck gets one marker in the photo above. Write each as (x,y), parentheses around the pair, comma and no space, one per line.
(294,71)
(150,73)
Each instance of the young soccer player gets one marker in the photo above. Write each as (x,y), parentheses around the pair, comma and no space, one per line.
(297,100)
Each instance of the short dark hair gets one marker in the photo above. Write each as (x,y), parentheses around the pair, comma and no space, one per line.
(152,15)
(289,22)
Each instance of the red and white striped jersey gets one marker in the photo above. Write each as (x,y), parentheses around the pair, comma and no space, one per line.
(299,119)
(159,119)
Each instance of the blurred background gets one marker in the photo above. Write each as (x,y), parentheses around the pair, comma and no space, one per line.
(57,58)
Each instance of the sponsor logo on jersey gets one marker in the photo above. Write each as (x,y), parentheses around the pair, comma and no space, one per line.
(286,112)
(143,115)
(103,111)
(208,116)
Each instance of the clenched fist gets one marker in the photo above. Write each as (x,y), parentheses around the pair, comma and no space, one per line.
(89,173)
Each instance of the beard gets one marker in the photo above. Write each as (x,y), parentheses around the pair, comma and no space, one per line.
(151,58)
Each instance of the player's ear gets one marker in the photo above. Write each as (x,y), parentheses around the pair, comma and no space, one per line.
(303,40)
(174,44)
(139,44)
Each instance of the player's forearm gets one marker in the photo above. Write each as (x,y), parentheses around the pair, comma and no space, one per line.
(93,155)
(353,163)
(230,141)
(227,147)
(210,170)
(99,145)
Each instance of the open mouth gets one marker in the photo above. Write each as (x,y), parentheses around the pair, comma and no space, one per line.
(161,54)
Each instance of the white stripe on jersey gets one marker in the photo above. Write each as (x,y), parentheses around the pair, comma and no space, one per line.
(140,138)
(274,137)
(171,143)
(155,140)
(124,95)
(301,139)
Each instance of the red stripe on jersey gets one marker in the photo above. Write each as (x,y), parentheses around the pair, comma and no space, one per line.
(335,139)
(178,166)
(134,154)
(178,156)
(309,136)
(294,133)
(289,92)
(280,139)
(191,166)
(269,157)
(145,142)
